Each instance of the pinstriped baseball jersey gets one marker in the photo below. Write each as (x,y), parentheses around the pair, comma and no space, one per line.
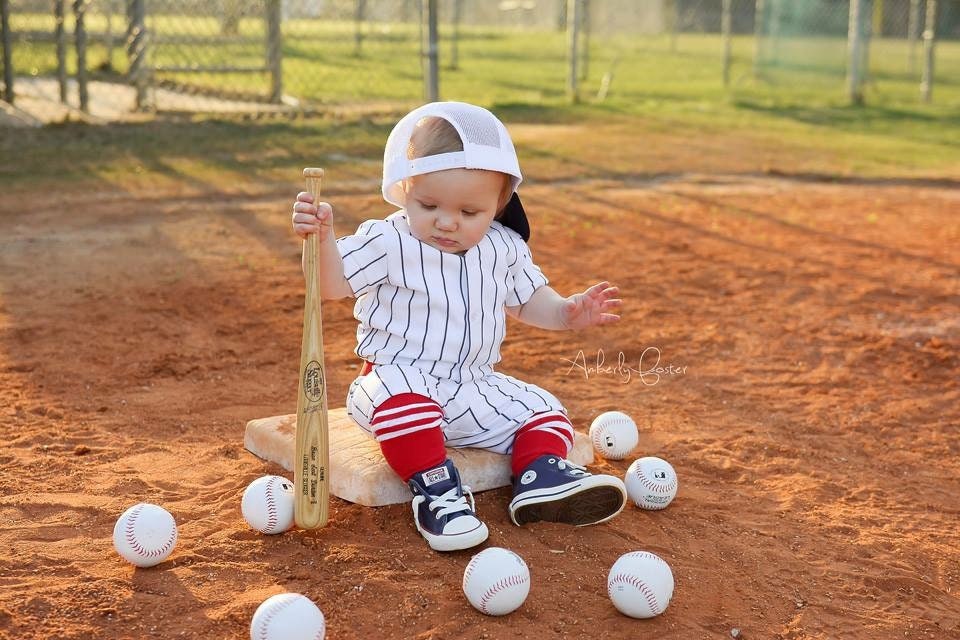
(439,312)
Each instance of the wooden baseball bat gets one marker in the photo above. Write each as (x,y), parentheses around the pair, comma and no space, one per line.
(312,459)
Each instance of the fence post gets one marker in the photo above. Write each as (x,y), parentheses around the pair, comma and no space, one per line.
(759,21)
(61,35)
(866,34)
(573,36)
(431,77)
(913,26)
(674,12)
(230,20)
(275,49)
(776,19)
(7,50)
(359,13)
(109,34)
(876,21)
(137,50)
(80,41)
(725,26)
(585,27)
(455,40)
(929,39)
(854,55)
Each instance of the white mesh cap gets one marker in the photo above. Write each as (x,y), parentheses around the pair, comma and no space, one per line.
(486,145)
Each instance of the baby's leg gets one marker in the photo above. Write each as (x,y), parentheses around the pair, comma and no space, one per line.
(546,433)
(506,415)
(408,427)
(547,486)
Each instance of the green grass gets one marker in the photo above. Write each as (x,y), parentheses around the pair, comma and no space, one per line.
(666,111)
(497,65)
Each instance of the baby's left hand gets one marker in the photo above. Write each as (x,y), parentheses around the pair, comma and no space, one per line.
(596,305)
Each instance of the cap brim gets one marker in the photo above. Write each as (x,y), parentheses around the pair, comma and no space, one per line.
(514,217)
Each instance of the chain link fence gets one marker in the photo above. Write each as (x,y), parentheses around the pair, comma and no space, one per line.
(121,59)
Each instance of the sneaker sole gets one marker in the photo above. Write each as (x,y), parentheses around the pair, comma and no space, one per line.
(586,506)
(457,542)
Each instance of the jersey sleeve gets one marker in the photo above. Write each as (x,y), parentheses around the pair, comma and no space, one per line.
(364,256)
(527,277)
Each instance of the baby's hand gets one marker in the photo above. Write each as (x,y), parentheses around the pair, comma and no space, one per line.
(311,218)
(596,305)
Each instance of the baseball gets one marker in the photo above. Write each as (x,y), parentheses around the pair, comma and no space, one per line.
(496,581)
(288,616)
(145,534)
(267,504)
(651,483)
(614,434)
(640,584)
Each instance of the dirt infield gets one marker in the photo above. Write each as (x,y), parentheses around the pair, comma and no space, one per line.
(808,397)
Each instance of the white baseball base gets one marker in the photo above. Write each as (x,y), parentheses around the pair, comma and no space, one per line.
(358,472)
(651,483)
(288,616)
(640,584)
(267,504)
(145,534)
(496,581)
(614,435)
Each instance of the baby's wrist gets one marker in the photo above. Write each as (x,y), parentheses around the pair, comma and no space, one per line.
(562,321)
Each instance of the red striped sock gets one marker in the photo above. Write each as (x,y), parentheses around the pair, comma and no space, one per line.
(548,433)
(407,426)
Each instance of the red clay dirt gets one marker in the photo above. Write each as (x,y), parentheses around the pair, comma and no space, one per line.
(812,414)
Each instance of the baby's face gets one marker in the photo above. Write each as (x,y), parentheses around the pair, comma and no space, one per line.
(451,210)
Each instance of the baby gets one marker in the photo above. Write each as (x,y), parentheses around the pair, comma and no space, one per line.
(434,283)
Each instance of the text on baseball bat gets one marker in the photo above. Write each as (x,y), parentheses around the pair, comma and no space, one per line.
(313,381)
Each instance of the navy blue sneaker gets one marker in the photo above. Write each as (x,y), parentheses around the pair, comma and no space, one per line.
(556,490)
(441,512)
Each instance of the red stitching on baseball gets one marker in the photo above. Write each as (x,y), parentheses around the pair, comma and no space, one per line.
(498,586)
(469,572)
(646,555)
(596,440)
(271,505)
(651,599)
(639,585)
(135,543)
(271,613)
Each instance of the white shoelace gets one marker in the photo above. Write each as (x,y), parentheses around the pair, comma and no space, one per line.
(575,468)
(450,502)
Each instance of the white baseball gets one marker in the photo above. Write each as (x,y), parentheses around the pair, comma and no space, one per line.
(614,434)
(267,504)
(640,584)
(288,616)
(651,483)
(145,534)
(496,581)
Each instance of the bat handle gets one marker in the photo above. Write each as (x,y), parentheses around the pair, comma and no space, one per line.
(314,178)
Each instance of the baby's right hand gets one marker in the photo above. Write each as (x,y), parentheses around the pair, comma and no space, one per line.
(311,218)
